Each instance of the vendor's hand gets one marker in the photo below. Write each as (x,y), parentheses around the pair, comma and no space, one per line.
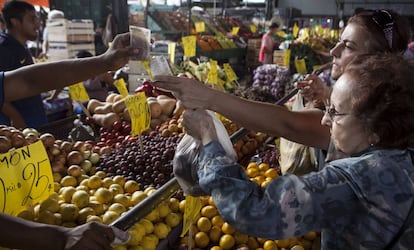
(119,52)
(192,93)
(313,89)
(199,124)
(90,236)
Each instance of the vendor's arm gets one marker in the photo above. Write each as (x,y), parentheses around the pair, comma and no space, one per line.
(14,115)
(22,234)
(38,78)
(302,126)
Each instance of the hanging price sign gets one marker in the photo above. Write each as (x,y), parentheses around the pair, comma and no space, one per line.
(212,76)
(191,212)
(171,52)
(235,30)
(189,45)
(286,58)
(295,30)
(139,111)
(300,66)
(147,68)
(78,92)
(253,28)
(121,87)
(231,76)
(200,27)
(25,178)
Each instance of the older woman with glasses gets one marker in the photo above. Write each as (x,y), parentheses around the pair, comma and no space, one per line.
(361,202)
(366,32)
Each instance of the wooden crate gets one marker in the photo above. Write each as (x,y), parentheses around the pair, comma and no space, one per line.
(279,57)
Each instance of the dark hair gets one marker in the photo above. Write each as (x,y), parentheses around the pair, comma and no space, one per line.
(15,9)
(274,26)
(382,97)
(83,54)
(378,42)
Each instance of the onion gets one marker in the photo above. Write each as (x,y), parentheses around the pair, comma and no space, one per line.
(74,158)
(48,139)
(5,144)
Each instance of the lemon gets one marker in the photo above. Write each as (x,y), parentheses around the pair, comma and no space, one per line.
(131,186)
(107,181)
(271,173)
(109,216)
(252,243)
(69,212)
(103,195)
(95,218)
(68,181)
(163,210)
(153,215)
(240,238)
(80,198)
(263,166)
(173,219)
(84,213)
(227,228)
(203,224)
(136,233)
(215,234)
(116,189)
(120,180)
(148,226)
(117,208)
(100,174)
(94,182)
(174,204)
(97,207)
(137,197)
(149,242)
(122,199)
(161,230)
(270,245)
(217,221)
(209,211)
(201,239)
(46,217)
(226,241)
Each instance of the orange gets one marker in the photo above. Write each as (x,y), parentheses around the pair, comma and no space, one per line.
(252,172)
(201,239)
(203,224)
(209,211)
(271,173)
(214,234)
(217,221)
(252,165)
(269,245)
(227,228)
(263,166)
(226,241)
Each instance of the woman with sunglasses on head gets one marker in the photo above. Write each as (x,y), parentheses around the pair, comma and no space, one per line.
(364,34)
(361,202)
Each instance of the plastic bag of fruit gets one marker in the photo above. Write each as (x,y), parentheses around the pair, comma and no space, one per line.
(187,154)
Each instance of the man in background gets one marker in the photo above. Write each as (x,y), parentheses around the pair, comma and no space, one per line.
(22,25)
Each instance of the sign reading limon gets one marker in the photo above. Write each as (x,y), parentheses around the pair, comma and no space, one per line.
(25,178)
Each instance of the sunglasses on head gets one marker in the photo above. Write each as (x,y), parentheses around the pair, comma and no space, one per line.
(383,19)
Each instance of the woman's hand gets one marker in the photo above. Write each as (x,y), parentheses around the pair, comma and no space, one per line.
(192,93)
(199,124)
(313,89)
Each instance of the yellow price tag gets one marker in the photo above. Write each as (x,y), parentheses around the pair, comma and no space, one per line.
(295,30)
(281,33)
(318,30)
(78,92)
(235,30)
(316,67)
(189,45)
(191,212)
(25,178)
(139,111)
(231,76)
(200,27)
(301,66)
(121,87)
(286,58)
(171,52)
(253,28)
(147,68)
(212,76)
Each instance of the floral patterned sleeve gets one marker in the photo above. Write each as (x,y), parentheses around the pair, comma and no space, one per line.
(288,206)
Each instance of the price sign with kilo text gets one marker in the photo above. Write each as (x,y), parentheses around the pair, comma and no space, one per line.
(139,111)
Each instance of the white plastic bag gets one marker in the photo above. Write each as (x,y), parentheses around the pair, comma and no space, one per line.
(186,158)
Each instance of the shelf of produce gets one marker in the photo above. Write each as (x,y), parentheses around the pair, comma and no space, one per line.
(223,54)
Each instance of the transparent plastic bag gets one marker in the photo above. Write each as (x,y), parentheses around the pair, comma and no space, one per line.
(296,158)
(186,158)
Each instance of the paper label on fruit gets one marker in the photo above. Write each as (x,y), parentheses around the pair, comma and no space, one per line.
(191,212)
(200,27)
(121,87)
(189,45)
(25,178)
(78,92)
(139,111)
(159,66)
(140,39)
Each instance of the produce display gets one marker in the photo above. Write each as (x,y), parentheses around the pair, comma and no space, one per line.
(272,79)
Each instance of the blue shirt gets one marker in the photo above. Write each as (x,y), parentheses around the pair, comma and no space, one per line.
(14,55)
(357,203)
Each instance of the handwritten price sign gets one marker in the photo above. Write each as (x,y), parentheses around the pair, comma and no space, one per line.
(139,111)
(200,27)
(25,178)
(231,76)
(191,212)
(78,92)
(121,87)
(189,45)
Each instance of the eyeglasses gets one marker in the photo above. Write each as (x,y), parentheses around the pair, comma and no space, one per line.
(332,113)
(384,21)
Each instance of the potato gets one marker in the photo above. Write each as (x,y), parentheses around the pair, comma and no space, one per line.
(105,109)
(155,109)
(93,104)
